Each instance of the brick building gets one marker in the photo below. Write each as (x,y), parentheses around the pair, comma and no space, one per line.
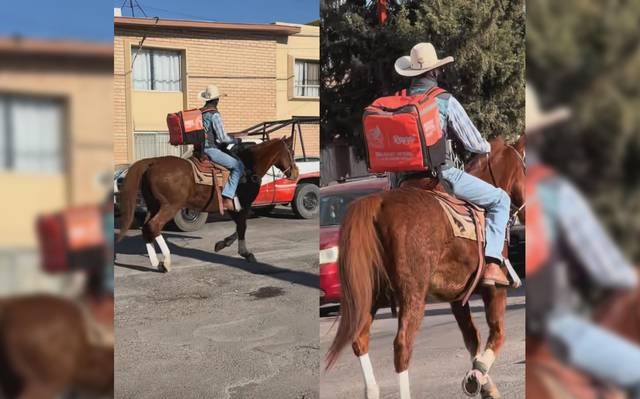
(268,71)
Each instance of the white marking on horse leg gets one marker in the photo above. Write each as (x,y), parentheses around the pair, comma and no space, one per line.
(166,254)
(371,386)
(152,254)
(242,248)
(403,381)
(486,358)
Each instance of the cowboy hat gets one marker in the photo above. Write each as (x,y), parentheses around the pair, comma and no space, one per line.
(535,118)
(210,93)
(423,58)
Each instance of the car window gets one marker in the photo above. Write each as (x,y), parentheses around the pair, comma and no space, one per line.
(334,206)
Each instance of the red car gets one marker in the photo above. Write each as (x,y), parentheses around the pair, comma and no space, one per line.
(334,200)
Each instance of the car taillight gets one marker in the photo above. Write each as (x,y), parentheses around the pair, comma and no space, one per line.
(329,255)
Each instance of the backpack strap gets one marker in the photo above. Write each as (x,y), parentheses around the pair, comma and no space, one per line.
(209,109)
(402,92)
(435,91)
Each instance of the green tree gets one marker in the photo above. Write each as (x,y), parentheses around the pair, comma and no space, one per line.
(485,38)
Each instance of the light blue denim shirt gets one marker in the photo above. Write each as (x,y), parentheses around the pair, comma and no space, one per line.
(454,117)
(214,130)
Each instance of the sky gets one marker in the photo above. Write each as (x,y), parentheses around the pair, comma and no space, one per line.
(92,20)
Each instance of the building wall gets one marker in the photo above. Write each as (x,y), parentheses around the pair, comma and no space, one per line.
(254,70)
(242,65)
(85,90)
(303,46)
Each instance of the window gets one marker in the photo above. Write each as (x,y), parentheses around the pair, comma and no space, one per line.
(156,70)
(156,144)
(31,134)
(307,79)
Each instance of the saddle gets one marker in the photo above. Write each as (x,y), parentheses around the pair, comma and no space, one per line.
(204,171)
(466,221)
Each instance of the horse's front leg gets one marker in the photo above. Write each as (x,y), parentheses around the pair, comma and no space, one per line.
(241,227)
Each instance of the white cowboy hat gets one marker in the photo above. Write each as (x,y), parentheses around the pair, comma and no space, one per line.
(423,58)
(535,118)
(210,93)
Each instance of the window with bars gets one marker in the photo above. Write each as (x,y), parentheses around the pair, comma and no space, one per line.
(155,144)
(157,70)
(307,79)
(31,134)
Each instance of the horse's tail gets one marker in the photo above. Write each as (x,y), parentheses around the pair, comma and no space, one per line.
(361,267)
(129,193)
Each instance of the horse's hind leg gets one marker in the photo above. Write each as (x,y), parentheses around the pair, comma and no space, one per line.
(411,301)
(152,231)
(361,349)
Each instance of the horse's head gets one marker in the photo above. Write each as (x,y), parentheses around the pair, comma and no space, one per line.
(284,158)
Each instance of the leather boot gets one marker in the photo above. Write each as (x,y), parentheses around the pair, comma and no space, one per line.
(493,275)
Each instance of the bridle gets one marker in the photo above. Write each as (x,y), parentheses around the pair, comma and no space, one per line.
(291,159)
(514,209)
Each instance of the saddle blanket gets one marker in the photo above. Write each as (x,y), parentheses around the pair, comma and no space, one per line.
(461,217)
(203,173)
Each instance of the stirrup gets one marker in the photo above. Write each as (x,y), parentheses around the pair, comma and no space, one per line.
(236,204)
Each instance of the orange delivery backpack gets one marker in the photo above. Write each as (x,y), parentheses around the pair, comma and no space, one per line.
(72,239)
(186,127)
(403,133)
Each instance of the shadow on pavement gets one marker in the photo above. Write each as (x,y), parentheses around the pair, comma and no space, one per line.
(135,246)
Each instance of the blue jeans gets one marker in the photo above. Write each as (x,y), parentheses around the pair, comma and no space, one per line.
(236,167)
(493,200)
(599,352)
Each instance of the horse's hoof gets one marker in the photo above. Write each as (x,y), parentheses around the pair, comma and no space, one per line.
(220,245)
(162,268)
(472,382)
(489,390)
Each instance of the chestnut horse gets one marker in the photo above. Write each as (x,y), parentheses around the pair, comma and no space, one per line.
(168,185)
(46,351)
(401,240)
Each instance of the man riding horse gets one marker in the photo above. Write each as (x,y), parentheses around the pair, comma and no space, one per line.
(424,66)
(216,141)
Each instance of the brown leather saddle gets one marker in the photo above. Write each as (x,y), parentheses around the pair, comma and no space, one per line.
(204,173)
(466,220)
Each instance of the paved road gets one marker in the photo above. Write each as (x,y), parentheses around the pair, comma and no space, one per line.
(439,359)
(217,326)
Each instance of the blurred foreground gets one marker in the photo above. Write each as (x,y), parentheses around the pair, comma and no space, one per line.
(583,196)
(56,236)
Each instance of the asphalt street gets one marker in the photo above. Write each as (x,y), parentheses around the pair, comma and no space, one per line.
(439,360)
(217,326)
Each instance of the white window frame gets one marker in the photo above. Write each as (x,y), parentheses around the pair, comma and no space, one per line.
(305,86)
(135,52)
(8,135)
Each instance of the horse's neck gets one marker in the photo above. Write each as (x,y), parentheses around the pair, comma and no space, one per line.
(263,157)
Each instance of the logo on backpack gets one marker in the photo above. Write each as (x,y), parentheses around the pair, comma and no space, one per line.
(404,140)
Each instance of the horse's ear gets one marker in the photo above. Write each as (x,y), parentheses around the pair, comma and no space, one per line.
(521,144)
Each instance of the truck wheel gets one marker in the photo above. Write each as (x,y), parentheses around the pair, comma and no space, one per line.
(189,220)
(306,201)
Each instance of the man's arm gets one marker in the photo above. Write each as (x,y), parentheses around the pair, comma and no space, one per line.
(591,244)
(218,126)
(465,130)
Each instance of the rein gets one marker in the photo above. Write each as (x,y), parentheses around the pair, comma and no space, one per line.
(515,210)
